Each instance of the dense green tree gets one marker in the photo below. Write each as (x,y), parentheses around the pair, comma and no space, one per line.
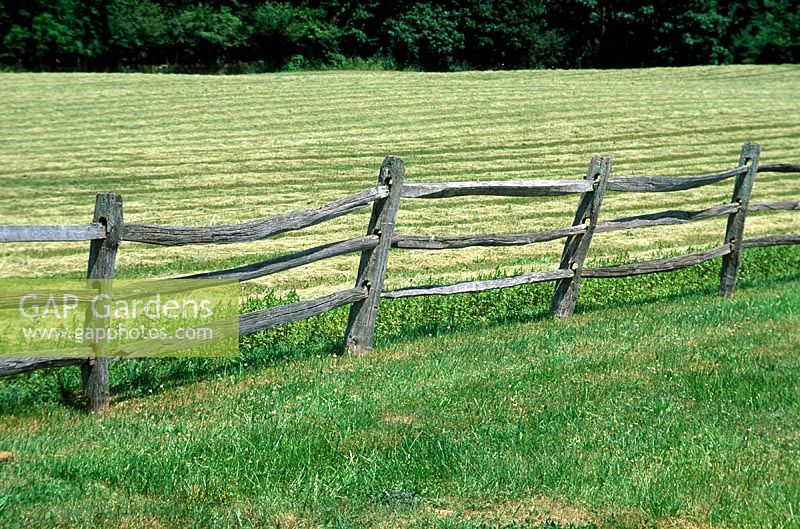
(768,31)
(138,31)
(201,33)
(424,34)
(65,34)
(427,36)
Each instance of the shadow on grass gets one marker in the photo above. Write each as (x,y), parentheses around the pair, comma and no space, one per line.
(400,320)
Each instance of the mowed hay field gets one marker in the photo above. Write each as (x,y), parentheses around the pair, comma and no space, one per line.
(197,150)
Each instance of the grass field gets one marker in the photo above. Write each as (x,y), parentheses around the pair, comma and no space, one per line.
(658,406)
(206,150)
(682,413)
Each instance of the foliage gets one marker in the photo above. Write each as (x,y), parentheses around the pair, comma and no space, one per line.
(429,35)
(138,31)
(426,36)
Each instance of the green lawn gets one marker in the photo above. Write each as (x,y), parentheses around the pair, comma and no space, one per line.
(648,409)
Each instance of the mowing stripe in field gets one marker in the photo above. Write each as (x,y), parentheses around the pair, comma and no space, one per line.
(210,150)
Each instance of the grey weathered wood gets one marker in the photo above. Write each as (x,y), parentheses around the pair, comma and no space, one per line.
(264,319)
(576,247)
(734,232)
(24,233)
(663,218)
(253,230)
(372,267)
(779,168)
(445,242)
(246,272)
(783,205)
(478,286)
(770,240)
(507,188)
(667,264)
(15,365)
(660,184)
(102,257)
(293,260)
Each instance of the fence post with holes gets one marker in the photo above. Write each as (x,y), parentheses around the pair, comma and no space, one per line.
(742,189)
(576,246)
(102,257)
(372,267)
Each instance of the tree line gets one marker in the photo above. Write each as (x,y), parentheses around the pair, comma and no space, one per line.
(253,35)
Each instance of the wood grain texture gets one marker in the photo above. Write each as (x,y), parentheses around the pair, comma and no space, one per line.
(506,188)
(661,184)
(782,205)
(253,230)
(664,218)
(360,330)
(734,232)
(667,264)
(289,261)
(447,242)
(576,247)
(771,240)
(264,319)
(16,365)
(779,168)
(477,286)
(24,233)
(102,258)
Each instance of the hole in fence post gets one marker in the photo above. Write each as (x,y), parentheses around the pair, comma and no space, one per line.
(102,261)
(372,267)
(734,232)
(576,247)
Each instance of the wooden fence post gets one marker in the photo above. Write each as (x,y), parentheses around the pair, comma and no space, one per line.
(372,267)
(742,189)
(102,257)
(576,246)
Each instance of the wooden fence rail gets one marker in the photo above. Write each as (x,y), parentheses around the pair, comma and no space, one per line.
(107,230)
(661,184)
(253,230)
(52,233)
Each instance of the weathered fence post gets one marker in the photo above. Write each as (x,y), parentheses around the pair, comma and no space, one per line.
(576,246)
(742,189)
(102,257)
(372,268)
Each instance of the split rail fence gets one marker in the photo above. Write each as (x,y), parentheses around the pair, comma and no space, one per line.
(108,230)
